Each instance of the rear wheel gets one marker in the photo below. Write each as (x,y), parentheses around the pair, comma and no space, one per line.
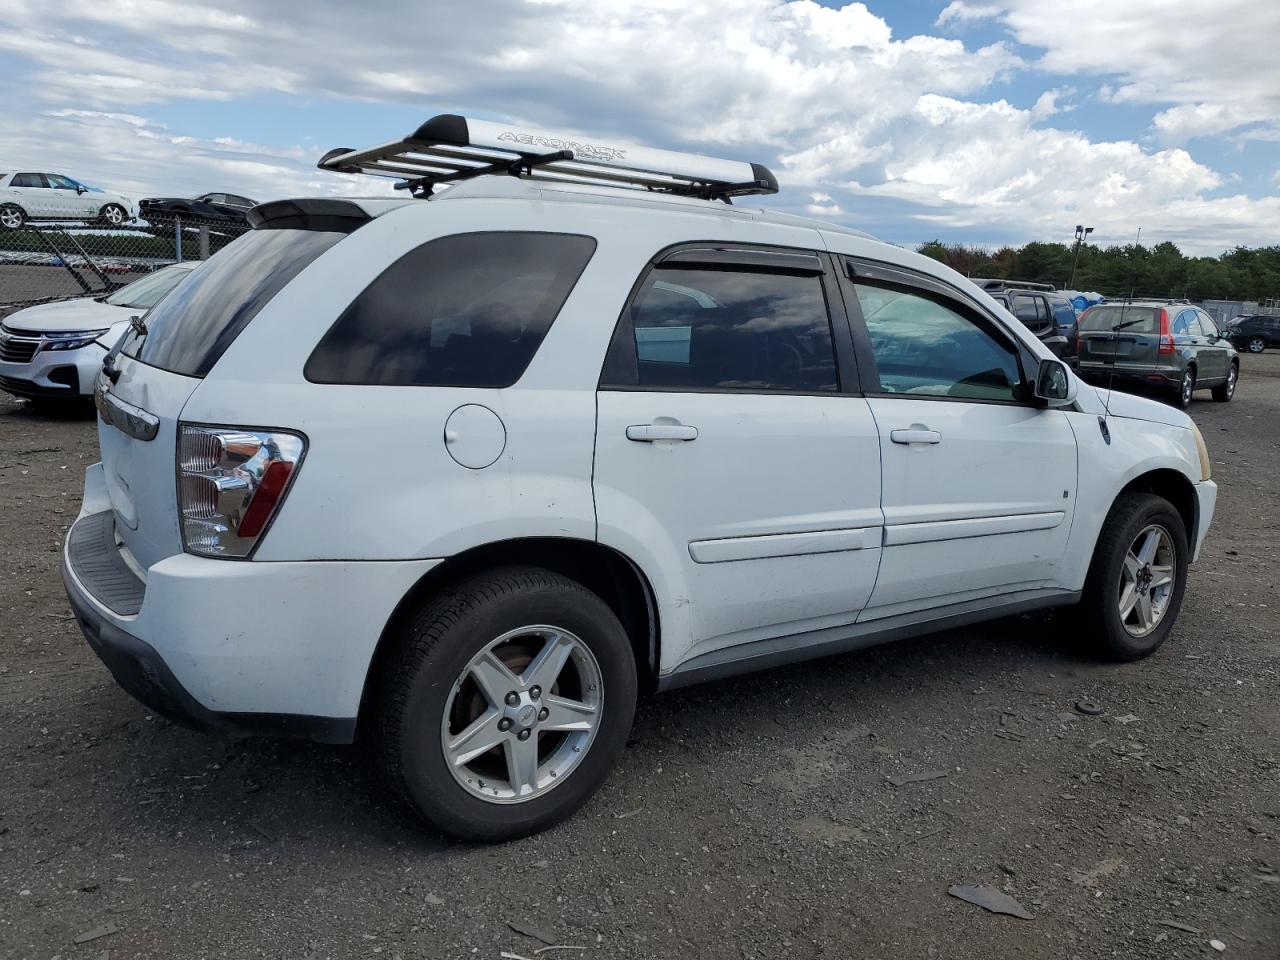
(507,704)
(1185,389)
(1225,391)
(12,216)
(1136,579)
(1256,344)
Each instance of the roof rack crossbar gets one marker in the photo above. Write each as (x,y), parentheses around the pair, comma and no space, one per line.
(449,148)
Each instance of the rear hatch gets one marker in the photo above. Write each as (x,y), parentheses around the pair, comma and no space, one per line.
(1120,333)
(159,369)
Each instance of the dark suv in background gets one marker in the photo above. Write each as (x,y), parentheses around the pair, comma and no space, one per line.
(1041,309)
(1254,332)
(1170,345)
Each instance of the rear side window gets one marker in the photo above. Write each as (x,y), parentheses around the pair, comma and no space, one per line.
(1063,313)
(190,329)
(469,310)
(1107,318)
(725,329)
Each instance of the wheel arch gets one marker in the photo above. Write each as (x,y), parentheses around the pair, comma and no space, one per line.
(609,574)
(1174,486)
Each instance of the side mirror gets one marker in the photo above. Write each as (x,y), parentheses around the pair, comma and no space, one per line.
(1054,385)
(80,189)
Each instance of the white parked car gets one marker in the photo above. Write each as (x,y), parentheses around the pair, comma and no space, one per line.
(51,196)
(54,351)
(466,473)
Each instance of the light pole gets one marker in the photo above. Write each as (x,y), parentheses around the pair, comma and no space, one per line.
(1081,234)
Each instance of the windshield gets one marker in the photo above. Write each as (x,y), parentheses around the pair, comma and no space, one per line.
(190,330)
(1109,317)
(146,293)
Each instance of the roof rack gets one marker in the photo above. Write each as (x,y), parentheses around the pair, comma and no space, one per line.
(991,284)
(450,148)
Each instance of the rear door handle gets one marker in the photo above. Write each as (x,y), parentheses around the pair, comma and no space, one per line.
(915,434)
(649,432)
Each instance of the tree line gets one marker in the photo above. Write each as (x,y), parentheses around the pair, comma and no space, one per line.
(1116,271)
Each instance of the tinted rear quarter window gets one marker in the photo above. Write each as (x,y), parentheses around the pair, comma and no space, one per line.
(191,328)
(468,310)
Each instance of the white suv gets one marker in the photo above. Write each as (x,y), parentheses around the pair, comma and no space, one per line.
(466,474)
(51,196)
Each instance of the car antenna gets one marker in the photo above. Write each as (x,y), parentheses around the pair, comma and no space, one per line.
(1115,345)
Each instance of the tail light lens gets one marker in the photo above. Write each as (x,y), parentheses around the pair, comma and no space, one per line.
(230,484)
(1166,338)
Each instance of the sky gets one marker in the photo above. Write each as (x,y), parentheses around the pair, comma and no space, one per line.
(967,121)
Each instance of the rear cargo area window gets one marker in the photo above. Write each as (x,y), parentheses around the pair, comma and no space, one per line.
(1134,319)
(469,310)
(191,328)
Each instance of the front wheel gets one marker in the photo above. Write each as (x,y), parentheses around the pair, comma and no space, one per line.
(1136,579)
(508,703)
(113,215)
(1225,391)
(1256,344)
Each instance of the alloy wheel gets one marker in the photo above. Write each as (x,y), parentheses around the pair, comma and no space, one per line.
(522,714)
(1257,345)
(1147,580)
(114,215)
(11,218)
(1188,387)
(1232,374)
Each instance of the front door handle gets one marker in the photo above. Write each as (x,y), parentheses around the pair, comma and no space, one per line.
(649,432)
(916,434)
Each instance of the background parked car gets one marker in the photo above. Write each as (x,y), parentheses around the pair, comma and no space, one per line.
(53,351)
(1254,332)
(212,207)
(52,196)
(1041,309)
(1174,347)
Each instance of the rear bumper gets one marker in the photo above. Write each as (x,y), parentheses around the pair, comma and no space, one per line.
(1091,371)
(248,647)
(143,673)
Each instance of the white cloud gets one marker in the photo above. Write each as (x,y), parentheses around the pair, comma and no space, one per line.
(850,116)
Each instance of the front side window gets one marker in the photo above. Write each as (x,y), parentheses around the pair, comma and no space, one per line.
(923,347)
(61,182)
(468,310)
(725,329)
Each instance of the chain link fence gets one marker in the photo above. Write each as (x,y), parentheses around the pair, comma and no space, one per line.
(44,262)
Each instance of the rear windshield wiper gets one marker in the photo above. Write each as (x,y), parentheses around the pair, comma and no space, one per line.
(1126,324)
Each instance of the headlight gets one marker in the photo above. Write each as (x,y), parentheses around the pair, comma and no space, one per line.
(1205,468)
(70,341)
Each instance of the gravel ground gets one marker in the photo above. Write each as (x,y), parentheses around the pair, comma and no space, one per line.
(754,817)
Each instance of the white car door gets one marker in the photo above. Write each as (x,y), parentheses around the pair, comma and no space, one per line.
(32,194)
(979,481)
(64,197)
(733,455)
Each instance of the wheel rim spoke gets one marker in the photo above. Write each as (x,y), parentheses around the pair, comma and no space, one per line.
(479,738)
(1128,599)
(493,678)
(545,668)
(1147,552)
(1161,576)
(1145,615)
(564,714)
(522,765)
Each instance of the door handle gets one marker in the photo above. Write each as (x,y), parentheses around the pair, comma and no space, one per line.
(649,432)
(917,434)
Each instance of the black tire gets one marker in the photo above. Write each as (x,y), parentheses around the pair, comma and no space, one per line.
(113,215)
(1256,344)
(436,646)
(1223,392)
(1186,388)
(16,216)
(1098,613)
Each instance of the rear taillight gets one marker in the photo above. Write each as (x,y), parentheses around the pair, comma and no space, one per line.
(230,484)
(1166,338)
